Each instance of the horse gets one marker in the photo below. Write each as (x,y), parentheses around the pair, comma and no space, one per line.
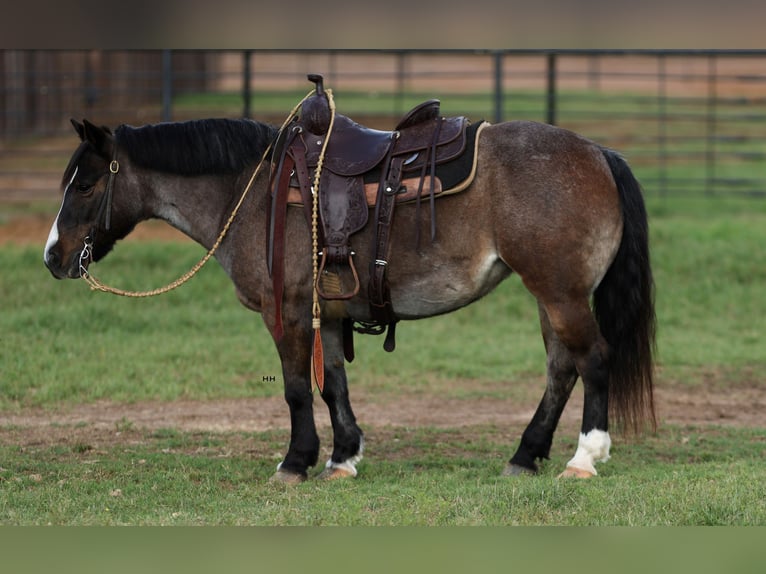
(563,213)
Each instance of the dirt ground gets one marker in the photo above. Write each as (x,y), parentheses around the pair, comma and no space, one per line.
(716,398)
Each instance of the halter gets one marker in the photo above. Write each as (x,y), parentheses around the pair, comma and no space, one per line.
(105,209)
(104,214)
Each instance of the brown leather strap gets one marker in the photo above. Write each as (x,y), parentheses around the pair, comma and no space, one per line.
(298,152)
(432,196)
(417,204)
(348,339)
(276,251)
(275,184)
(378,291)
(278,248)
(379,294)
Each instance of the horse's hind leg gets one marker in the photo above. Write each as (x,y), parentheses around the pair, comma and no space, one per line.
(561,376)
(348,440)
(576,327)
(575,347)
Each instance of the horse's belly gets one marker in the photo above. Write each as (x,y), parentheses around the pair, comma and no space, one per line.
(446,288)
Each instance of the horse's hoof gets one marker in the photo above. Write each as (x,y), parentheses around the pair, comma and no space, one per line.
(572,472)
(335,473)
(516,470)
(287,477)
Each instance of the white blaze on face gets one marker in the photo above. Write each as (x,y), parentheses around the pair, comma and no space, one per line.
(53,236)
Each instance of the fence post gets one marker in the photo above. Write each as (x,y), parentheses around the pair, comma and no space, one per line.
(711,124)
(662,118)
(498,87)
(246,77)
(551,90)
(401,75)
(167,86)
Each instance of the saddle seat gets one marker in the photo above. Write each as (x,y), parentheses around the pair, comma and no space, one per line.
(353,148)
(357,150)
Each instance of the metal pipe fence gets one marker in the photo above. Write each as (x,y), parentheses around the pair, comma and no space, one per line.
(689,121)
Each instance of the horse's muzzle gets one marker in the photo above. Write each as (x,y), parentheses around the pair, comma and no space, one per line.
(58,269)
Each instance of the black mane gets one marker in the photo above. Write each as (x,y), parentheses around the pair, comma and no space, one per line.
(211,146)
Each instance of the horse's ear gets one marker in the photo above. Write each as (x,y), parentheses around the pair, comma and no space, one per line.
(100,138)
(79,128)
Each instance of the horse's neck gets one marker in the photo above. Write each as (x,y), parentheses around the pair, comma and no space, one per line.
(196,206)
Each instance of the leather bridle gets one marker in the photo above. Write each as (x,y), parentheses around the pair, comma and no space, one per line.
(104,215)
(105,209)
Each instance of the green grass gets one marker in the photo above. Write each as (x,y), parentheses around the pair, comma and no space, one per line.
(64,345)
(705,476)
(710,268)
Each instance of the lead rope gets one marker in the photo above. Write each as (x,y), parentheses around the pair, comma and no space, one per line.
(317,354)
(96,285)
(87,251)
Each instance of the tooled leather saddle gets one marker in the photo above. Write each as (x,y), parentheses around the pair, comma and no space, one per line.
(363,170)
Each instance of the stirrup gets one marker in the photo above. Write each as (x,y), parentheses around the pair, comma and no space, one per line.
(337,296)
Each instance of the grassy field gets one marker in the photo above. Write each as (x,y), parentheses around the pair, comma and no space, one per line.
(63,346)
(693,476)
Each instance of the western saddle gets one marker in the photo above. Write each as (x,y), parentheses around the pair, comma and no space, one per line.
(363,170)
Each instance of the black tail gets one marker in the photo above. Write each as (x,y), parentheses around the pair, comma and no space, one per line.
(624,307)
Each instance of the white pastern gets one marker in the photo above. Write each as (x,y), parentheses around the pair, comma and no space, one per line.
(348,465)
(591,448)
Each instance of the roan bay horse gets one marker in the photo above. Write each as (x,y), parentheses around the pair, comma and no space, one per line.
(563,213)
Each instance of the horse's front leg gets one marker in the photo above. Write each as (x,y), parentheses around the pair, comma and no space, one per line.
(295,353)
(348,439)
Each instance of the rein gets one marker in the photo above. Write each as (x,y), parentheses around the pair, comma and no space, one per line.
(86,255)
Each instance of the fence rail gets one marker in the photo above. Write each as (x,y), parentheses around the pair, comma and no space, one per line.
(689,121)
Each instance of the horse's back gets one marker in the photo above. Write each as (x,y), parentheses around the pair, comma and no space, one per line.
(544,167)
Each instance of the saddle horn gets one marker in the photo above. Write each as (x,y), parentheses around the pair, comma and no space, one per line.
(315,111)
(319,81)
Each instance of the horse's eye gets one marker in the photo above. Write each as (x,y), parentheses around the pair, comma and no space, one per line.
(84,187)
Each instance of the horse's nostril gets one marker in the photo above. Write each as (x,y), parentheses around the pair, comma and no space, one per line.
(52,260)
